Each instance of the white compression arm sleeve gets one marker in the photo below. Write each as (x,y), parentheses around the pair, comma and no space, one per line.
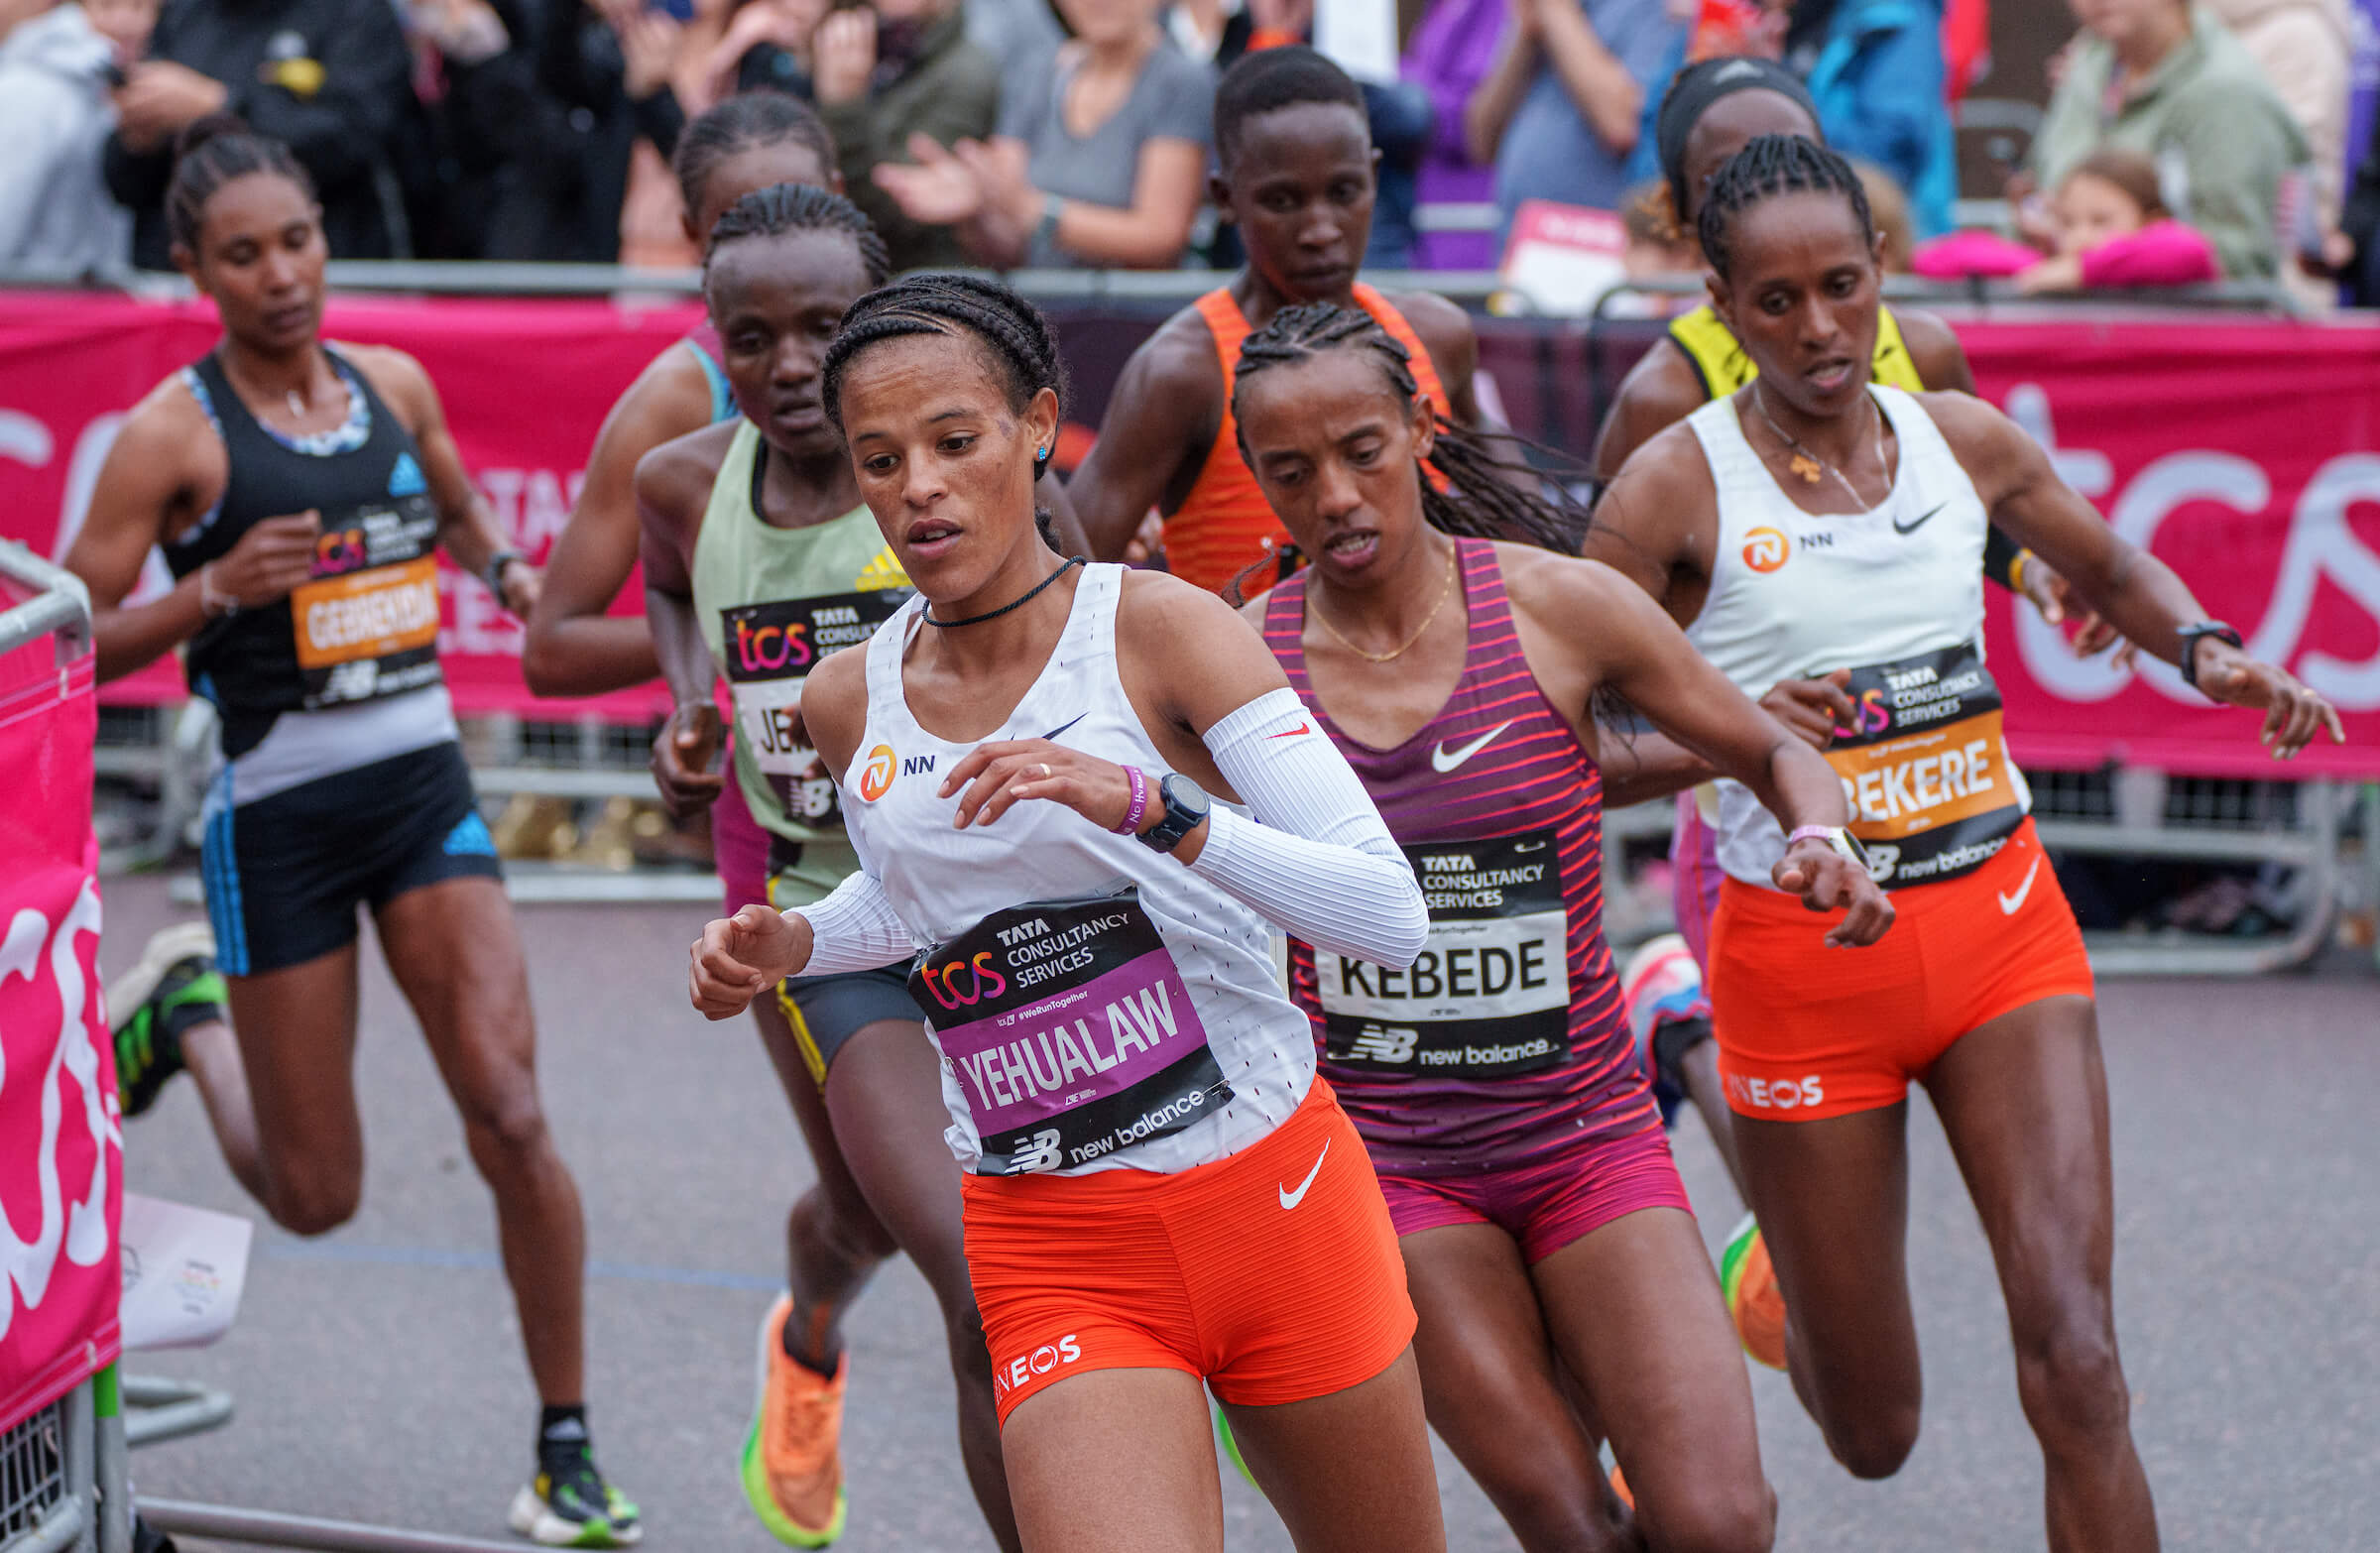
(855,928)
(1317,861)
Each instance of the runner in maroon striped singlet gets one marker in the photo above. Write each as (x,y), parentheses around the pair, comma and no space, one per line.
(1547,1241)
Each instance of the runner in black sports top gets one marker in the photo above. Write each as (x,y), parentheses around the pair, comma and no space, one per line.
(300,493)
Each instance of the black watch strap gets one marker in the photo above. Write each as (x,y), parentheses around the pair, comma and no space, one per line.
(493,573)
(2190,636)
(1185,805)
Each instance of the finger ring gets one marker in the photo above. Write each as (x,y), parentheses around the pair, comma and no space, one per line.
(1045,770)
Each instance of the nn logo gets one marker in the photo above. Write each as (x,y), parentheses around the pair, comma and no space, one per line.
(1766,549)
(917,765)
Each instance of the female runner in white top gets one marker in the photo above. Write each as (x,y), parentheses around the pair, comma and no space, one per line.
(1001,742)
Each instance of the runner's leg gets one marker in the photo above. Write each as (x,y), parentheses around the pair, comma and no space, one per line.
(1635,1312)
(1122,1458)
(455,953)
(296,1030)
(884,1092)
(2024,1099)
(833,1241)
(212,1053)
(1833,1201)
(1493,1390)
(1698,1066)
(1304,1456)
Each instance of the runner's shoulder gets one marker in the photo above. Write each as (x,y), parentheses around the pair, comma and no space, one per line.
(170,436)
(1661,390)
(834,704)
(675,478)
(1179,357)
(1979,434)
(396,376)
(1442,326)
(1558,591)
(1934,348)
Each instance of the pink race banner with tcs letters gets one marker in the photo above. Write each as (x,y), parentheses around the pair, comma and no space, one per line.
(2244,452)
(62,1182)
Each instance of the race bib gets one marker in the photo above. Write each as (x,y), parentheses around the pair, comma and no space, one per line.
(1924,768)
(769,649)
(366,625)
(1070,1030)
(1489,993)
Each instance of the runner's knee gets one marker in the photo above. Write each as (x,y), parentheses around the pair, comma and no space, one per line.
(2070,1378)
(1717,1518)
(1876,1445)
(505,1123)
(314,1202)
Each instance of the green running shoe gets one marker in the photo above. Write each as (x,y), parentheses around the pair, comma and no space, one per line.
(1231,1448)
(174,987)
(569,1506)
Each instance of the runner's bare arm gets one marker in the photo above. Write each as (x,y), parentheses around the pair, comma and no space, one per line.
(672,484)
(1453,347)
(1658,520)
(1933,350)
(1660,391)
(467,526)
(1160,420)
(574,647)
(2138,593)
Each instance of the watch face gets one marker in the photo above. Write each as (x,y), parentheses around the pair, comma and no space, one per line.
(1849,846)
(1183,793)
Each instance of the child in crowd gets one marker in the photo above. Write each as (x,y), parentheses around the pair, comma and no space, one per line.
(2114,230)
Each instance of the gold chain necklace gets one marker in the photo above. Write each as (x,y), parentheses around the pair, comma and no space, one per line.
(1807,464)
(1454,566)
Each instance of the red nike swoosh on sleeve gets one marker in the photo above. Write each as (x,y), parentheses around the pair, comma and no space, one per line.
(1291,733)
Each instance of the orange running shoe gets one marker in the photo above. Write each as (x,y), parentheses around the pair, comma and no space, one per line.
(1753,1299)
(792,1469)
(1619,1489)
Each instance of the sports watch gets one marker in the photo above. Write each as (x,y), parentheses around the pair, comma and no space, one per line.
(493,573)
(2190,646)
(1842,842)
(1185,805)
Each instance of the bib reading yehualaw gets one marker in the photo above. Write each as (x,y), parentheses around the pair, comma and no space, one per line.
(1070,1031)
(772,602)
(1924,770)
(1490,992)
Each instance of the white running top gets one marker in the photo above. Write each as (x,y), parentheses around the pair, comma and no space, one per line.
(1795,595)
(942,882)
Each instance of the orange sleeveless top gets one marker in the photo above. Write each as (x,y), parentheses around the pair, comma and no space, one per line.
(1224,524)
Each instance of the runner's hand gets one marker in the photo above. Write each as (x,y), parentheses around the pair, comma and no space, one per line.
(2292,714)
(682,753)
(1827,881)
(740,957)
(272,559)
(1008,770)
(1812,709)
(524,584)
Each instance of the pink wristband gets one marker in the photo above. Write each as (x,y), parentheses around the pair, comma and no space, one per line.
(1825,833)
(1139,805)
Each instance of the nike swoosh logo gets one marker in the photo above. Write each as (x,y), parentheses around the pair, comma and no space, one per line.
(2009,903)
(1927,517)
(1443,759)
(1062,727)
(1291,733)
(1291,1198)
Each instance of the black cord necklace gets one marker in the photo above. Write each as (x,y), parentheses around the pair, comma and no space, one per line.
(994,614)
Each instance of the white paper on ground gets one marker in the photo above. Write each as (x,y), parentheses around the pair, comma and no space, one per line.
(183,1268)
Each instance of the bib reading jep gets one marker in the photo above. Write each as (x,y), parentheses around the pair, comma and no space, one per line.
(1070,1030)
(769,649)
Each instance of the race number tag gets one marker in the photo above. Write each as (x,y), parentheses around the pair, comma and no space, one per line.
(769,651)
(1489,993)
(1070,1030)
(1924,768)
(366,625)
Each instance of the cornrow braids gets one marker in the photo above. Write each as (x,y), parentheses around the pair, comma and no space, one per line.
(1010,330)
(743,123)
(798,208)
(210,153)
(1479,497)
(1776,164)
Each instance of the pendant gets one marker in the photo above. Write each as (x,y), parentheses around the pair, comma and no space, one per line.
(1803,465)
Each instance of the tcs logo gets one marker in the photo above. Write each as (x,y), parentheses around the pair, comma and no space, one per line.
(1869,715)
(339,550)
(875,778)
(1025,1368)
(1766,549)
(942,983)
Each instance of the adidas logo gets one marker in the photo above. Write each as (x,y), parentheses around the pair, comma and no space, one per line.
(882,572)
(405,478)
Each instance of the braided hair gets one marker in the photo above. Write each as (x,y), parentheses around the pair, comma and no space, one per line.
(1011,331)
(1479,498)
(798,208)
(1776,164)
(210,153)
(741,123)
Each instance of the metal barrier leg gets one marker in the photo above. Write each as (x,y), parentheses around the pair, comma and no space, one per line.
(268,1528)
(112,1462)
(171,1409)
(83,1467)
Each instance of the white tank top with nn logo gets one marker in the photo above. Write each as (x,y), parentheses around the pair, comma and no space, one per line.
(1096,1004)
(1896,595)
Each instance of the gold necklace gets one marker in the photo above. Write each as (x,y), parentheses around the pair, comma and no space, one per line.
(1454,566)
(1807,464)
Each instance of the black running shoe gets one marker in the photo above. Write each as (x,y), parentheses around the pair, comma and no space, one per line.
(569,1506)
(174,987)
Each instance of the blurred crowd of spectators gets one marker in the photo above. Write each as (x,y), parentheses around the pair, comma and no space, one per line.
(2203,140)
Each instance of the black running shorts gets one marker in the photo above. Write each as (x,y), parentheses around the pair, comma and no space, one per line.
(283,875)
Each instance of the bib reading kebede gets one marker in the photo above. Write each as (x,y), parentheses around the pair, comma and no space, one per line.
(1070,1030)
(1489,993)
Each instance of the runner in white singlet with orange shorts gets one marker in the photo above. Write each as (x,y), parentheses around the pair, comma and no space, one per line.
(1814,523)
(1161,1196)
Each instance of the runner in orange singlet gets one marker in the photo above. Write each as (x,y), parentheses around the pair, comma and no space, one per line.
(1296,159)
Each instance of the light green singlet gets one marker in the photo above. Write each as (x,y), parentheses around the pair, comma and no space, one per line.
(772,602)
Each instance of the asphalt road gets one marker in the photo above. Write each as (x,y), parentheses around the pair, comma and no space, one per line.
(379,1377)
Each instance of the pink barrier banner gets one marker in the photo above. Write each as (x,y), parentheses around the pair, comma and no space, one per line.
(61,1181)
(2246,452)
